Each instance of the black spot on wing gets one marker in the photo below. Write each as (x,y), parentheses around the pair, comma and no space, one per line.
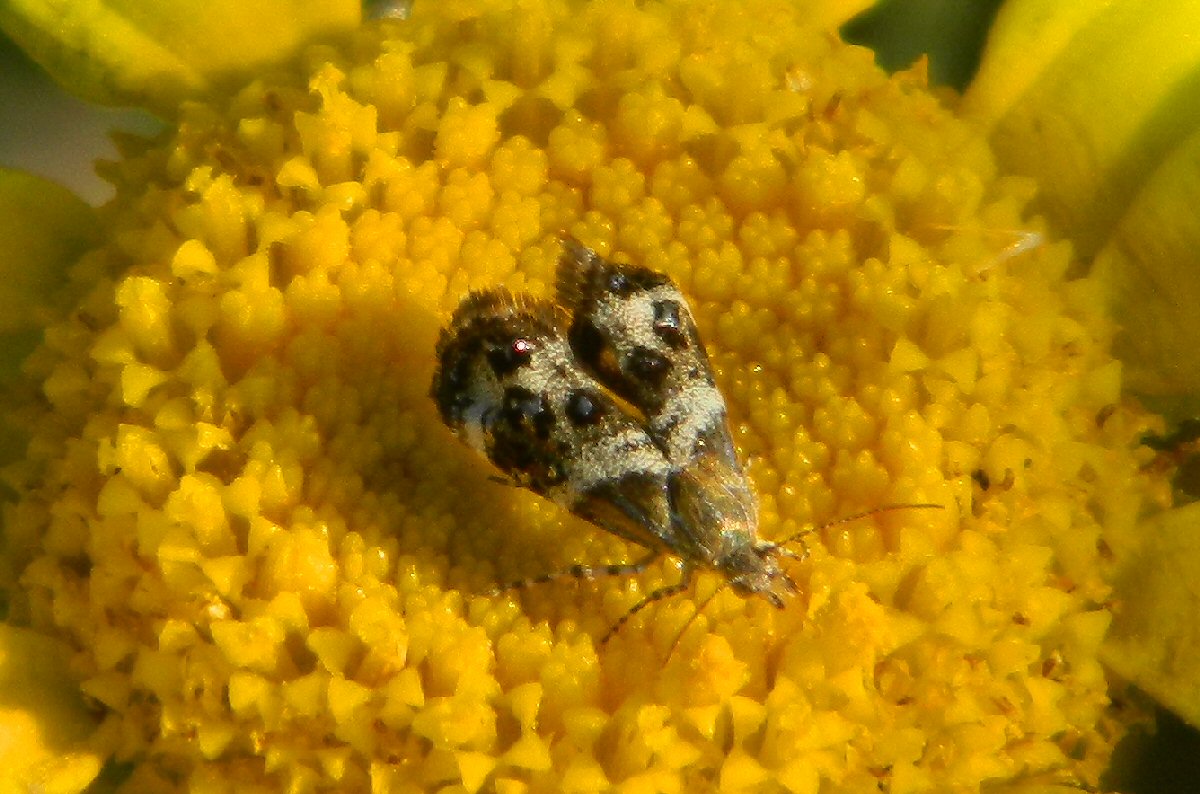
(526,411)
(617,283)
(522,441)
(584,407)
(586,341)
(451,388)
(648,366)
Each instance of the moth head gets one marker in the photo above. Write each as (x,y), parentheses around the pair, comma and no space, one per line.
(753,569)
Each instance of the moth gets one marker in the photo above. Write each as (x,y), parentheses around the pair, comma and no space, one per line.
(533,386)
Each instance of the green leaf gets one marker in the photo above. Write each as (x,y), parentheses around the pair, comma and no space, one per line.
(155,54)
(832,14)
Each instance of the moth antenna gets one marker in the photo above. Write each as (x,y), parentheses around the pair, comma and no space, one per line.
(864,514)
(657,595)
(578,572)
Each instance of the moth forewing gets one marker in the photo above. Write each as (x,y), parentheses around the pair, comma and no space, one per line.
(717,510)
(507,384)
(633,328)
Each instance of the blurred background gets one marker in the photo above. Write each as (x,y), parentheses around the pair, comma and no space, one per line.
(48,132)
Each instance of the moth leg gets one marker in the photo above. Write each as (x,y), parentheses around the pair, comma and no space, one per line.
(657,595)
(580,572)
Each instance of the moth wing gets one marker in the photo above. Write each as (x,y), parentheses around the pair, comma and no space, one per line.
(509,385)
(633,329)
(712,502)
(488,389)
(636,509)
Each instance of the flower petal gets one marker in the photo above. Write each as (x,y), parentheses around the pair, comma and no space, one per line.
(1155,639)
(50,227)
(1097,101)
(155,54)
(43,720)
(1125,185)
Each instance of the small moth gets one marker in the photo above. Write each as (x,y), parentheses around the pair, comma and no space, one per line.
(532,386)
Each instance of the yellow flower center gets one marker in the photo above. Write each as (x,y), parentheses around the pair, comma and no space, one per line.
(240,506)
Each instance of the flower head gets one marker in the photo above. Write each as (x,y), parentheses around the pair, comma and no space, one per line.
(274,563)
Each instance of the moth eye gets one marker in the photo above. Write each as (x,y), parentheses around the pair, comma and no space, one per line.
(524,409)
(583,408)
(648,365)
(506,359)
(667,324)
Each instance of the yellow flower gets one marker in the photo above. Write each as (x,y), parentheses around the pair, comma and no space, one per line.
(1094,100)
(43,720)
(273,563)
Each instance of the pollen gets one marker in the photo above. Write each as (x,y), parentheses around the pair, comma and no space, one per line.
(277,567)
